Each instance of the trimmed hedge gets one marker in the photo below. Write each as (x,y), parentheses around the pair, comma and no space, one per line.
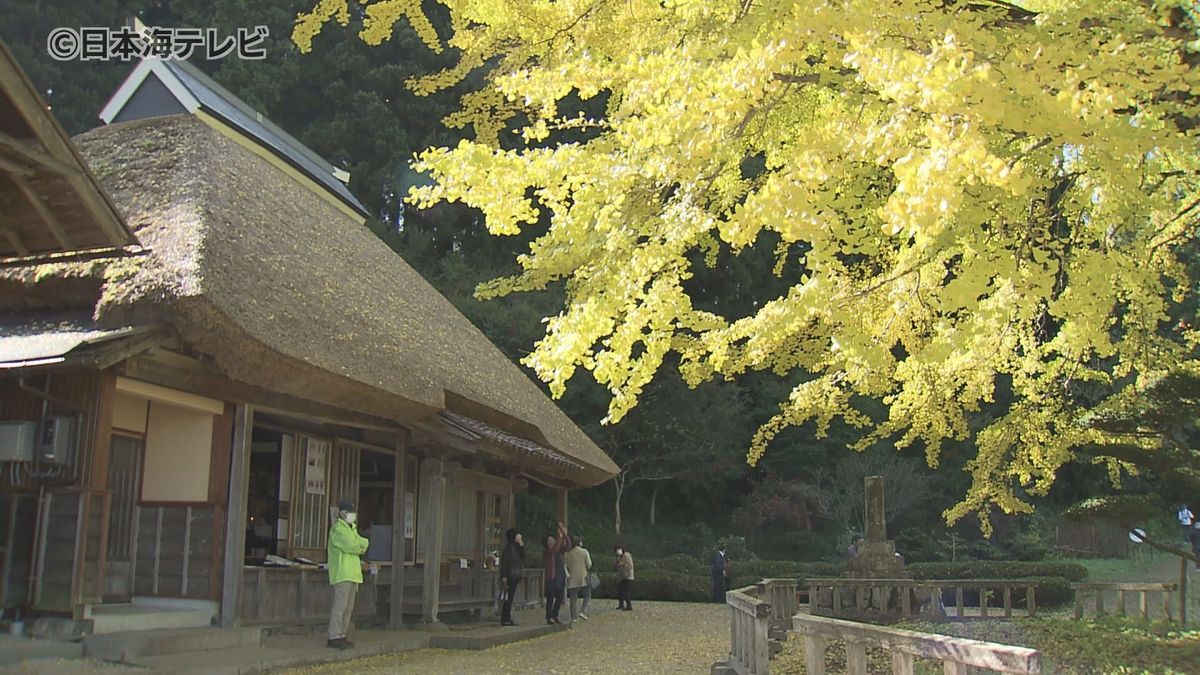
(682,578)
(998,569)
(752,572)
(1048,592)
(680,563)
(659,585)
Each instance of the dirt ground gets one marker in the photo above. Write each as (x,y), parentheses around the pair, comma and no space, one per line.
(656,637)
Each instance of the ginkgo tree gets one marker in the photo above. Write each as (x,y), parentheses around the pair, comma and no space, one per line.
(971,199)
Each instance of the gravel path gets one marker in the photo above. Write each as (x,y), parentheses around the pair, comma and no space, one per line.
(657,637)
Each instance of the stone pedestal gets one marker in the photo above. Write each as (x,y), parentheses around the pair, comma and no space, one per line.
(878,559)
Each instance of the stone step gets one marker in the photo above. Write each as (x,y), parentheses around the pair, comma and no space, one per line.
(131,645)
(492,636)
(138,617)
(14,650)
(281,653)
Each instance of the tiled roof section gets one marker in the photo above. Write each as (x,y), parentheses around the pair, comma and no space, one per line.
(44,337)
(524,445)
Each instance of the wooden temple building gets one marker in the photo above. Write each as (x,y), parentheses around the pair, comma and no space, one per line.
(203,348)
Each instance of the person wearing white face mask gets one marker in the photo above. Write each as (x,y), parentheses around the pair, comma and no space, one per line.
(625,585)
(345,546)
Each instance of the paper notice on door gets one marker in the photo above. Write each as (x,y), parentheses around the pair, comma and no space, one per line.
(314,470)
(410,528)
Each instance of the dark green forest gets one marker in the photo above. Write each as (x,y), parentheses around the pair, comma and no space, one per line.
(685,483)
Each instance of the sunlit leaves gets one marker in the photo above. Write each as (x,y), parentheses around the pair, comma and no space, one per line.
(975,193)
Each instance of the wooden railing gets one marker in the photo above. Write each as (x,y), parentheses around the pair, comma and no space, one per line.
(749,633)
(780,594)
(956,654)
(1143,591)
(869,594)
(530,593)
(296,595)
(756,609)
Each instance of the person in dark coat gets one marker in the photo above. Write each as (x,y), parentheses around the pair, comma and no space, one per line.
(512,568)
(720,575)
(555,571)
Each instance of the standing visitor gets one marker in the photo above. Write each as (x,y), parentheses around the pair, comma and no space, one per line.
(720,575)
(625,585)
(345,572)
(512,569)
(1186,520)
(555,571)
(579,563)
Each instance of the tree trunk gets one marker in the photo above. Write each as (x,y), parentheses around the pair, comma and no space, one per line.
(653,502)
(619,484)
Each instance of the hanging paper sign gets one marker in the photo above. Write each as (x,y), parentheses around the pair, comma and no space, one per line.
(314,470)
(410,528)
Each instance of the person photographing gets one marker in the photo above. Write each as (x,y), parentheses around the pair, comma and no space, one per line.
(344,548)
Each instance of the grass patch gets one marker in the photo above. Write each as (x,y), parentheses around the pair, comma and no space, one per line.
(1106,645)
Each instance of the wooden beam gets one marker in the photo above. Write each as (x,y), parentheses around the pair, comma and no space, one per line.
(16,169)
(94,473)
(43,211)
(14,240)
(396,590)
(560,506)
(235,521)
(23,97)
(25,151)
(222,447)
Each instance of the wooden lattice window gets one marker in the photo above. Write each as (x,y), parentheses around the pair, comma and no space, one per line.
(310,498)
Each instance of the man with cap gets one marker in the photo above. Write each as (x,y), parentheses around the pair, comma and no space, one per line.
(345,572)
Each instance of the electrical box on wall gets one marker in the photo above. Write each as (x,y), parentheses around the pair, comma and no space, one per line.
(58,440)
(16,441)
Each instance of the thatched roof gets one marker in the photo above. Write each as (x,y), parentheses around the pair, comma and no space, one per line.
(157,87)
(283,290)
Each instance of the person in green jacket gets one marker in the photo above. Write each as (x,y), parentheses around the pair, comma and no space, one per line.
(345,572)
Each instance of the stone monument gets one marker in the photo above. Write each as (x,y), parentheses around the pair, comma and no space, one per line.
(876,554)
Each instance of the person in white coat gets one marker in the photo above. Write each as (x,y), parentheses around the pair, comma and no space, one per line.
(579,566)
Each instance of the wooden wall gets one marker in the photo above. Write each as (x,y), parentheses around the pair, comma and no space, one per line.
(177,549)
(293,595)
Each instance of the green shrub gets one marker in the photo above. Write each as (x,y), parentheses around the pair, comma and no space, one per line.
(659,585)
(995,569)
(1052,592)
(766,569)
(680,563)
(796,545)
(1048,592)
(735,547)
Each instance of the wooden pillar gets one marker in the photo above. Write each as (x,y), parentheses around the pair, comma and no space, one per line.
(396,590)
(235,520)
(94,469)
(431,590)
(560,506)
